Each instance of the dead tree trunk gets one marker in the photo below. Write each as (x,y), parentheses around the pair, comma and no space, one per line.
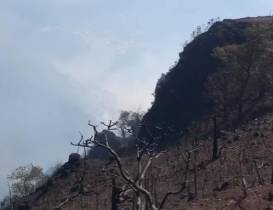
(115,195)
(260,179)
(145,156)
(272,174)
(215,139)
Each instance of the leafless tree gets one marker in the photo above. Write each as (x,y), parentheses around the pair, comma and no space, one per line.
(146,152)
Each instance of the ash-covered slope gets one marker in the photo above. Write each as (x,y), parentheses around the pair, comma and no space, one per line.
(241,178)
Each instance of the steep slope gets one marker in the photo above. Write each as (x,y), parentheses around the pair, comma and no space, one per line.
(180,96)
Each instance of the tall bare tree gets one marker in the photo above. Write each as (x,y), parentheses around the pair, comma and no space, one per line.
(146,152)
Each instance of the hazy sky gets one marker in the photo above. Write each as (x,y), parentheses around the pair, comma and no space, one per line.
(63,62)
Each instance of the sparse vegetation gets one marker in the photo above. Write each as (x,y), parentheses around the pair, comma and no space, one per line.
(25,179)
(212,110)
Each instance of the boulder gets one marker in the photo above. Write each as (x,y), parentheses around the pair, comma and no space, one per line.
(74,158)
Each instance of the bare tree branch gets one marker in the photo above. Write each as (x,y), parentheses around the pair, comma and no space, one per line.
(144,149)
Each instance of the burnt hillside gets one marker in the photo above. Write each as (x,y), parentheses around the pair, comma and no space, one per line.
(180,97)
(220,169)
(241,178)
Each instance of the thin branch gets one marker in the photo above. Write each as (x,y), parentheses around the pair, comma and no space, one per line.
(181,189)
(183,185)
(68,199)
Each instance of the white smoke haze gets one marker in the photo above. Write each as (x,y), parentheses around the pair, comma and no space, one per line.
(65,62)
